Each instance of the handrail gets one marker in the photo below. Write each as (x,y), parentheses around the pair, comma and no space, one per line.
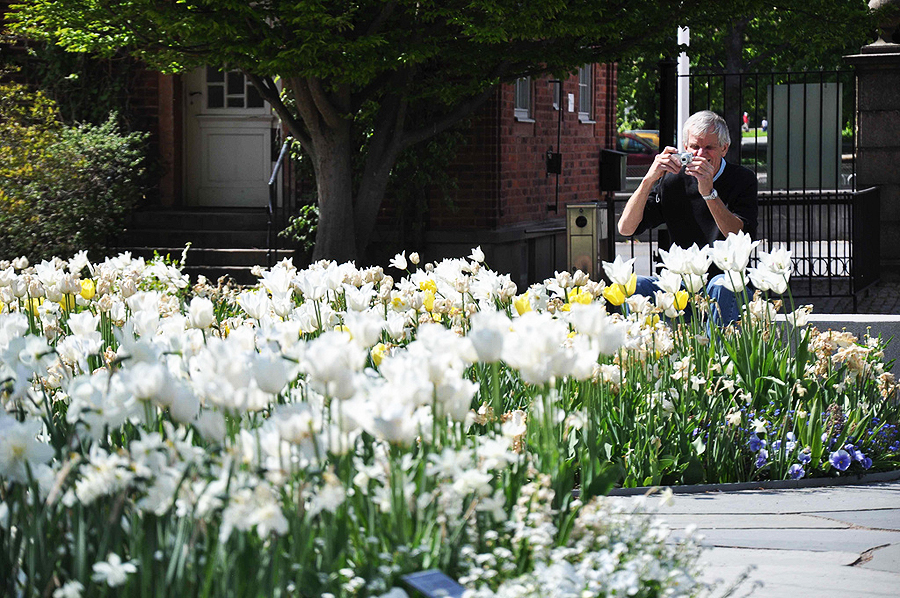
(273,198)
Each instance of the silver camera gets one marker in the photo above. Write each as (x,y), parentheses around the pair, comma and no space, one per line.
(685,158)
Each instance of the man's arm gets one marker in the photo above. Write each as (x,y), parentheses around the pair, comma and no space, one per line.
(633,212)
(725,220)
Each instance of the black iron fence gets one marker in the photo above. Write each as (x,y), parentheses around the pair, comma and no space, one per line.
(285,192)
(795,131)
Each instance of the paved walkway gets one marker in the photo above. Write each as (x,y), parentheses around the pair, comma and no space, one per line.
(831,542)
(881,298)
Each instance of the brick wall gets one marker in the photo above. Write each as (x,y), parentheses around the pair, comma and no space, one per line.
(502,173)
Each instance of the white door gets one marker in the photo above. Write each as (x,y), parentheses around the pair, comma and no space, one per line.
(228,129)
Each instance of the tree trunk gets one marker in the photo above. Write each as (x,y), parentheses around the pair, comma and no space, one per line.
(333,165)
(732,107)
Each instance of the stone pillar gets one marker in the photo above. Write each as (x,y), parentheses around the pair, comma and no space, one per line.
(878,132)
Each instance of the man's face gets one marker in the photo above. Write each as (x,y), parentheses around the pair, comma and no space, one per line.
(707,146)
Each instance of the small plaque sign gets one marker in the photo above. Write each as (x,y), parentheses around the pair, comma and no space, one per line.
(433,584)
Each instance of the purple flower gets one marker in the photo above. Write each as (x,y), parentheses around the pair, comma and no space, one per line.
(776,445)
(840,460)
(858,455)
(796,471)
(791,442)
(761,457)
(866,462)
(756,443)
(804,456)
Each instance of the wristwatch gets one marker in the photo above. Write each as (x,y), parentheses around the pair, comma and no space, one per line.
(713,195)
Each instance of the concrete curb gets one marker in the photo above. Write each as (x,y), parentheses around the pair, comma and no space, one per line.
(862,478)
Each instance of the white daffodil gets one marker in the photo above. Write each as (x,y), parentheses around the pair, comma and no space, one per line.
(766,280)
(669,281)
(619,271)
(201,313)
(777,261)
(399,261)
(113,571)
(733,253)
(489,328)
(20,449)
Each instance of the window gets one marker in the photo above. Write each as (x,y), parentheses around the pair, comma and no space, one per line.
(586,93)
(230,89)
(523,99)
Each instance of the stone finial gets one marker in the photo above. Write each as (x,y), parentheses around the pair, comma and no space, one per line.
(889,27)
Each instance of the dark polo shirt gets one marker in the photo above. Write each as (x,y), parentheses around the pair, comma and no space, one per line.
(676,202)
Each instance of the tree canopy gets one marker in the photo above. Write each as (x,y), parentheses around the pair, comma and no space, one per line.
(352,79)
(747,36)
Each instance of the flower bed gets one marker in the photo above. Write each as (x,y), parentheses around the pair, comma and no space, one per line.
(332,428)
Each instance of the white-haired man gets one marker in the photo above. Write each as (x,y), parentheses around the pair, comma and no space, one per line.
(700,202)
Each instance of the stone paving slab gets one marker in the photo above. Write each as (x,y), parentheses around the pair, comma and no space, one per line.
(831,542)
(703,522)
(796,574)
(885,559)
(857,541)
(872,519)
(798,501)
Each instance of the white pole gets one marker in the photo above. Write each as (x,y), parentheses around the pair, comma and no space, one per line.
(684,91)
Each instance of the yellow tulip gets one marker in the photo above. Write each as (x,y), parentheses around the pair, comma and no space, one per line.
(631,286)
(522,304)
(67,301)
(566,307)
(681,299)
(652,320)
(428,285)
(32,304)
(88,289)
(615,294)
(578,296)
(428,302)
(378,352)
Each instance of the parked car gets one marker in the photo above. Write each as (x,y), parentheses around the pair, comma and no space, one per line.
(651,135)
(640,151)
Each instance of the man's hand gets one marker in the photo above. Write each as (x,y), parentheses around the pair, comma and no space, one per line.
(701,169)
(666,161)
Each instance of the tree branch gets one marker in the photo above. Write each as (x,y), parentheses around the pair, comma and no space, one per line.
(269,91)
(323,103)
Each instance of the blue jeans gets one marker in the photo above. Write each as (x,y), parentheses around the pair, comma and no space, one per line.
(727,312)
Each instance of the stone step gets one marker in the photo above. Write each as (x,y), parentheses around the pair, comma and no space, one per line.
(200,219)
(212,239)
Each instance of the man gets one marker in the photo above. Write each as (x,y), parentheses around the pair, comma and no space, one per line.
(699,203)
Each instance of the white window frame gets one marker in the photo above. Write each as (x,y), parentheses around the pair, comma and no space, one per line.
(523,109)
(586,93)
(556,93)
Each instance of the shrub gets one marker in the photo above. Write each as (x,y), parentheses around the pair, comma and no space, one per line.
(62,188)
